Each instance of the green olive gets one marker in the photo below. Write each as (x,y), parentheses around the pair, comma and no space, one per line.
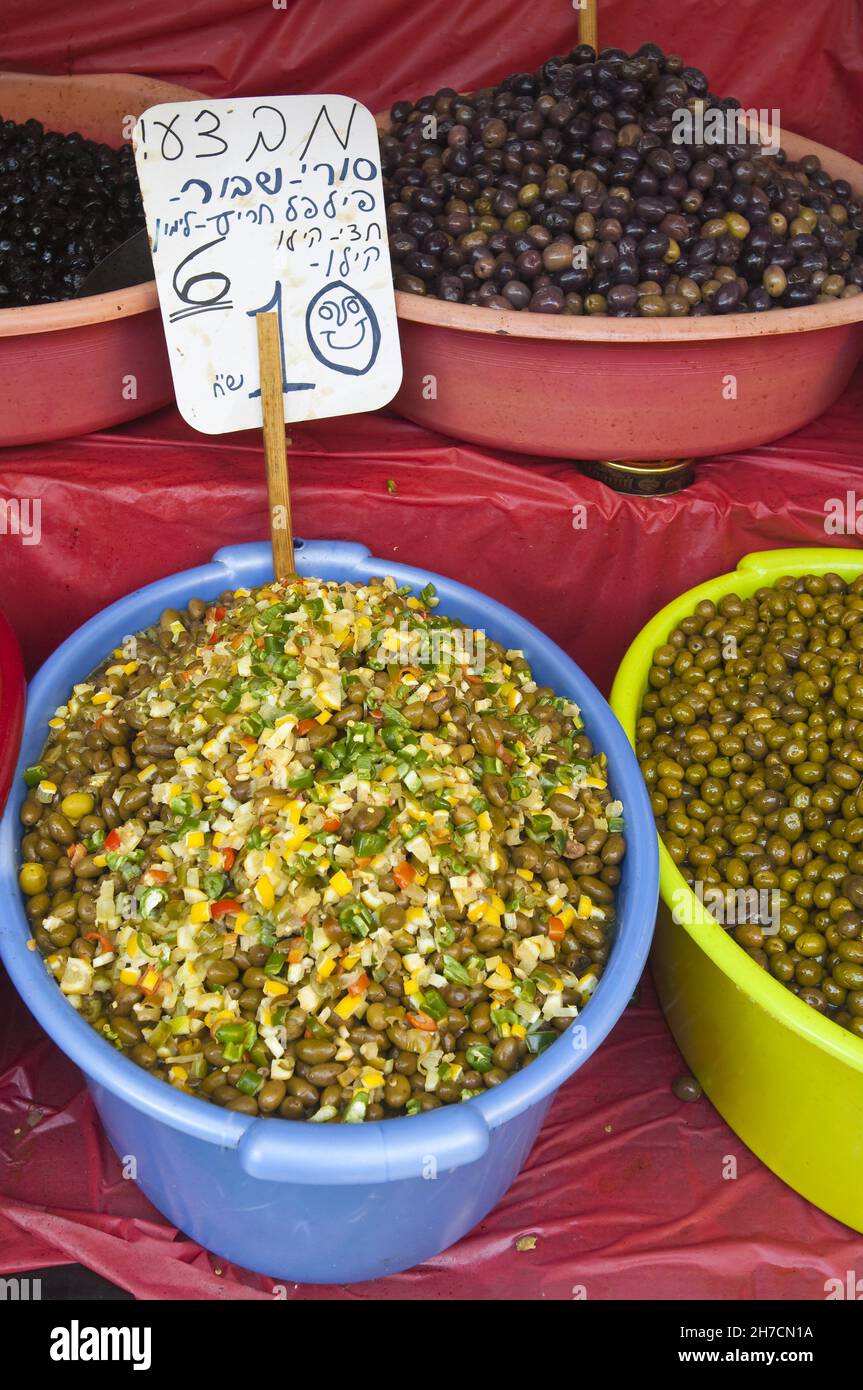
(747,742)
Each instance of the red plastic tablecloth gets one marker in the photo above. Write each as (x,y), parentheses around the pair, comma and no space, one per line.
(589,566)
(625,1191)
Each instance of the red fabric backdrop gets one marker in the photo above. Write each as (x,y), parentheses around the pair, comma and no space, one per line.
(624,1192)
(807,60)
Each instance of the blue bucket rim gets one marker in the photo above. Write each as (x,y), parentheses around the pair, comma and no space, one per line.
(376,1149)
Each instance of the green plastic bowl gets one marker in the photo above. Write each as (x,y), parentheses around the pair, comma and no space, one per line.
(787,1080)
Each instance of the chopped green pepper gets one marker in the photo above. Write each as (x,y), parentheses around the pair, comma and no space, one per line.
(214,885)
(368,843)
(355,1112)
(359,921)
(455,972)
(151,901)
(434,1004)
(478,1057)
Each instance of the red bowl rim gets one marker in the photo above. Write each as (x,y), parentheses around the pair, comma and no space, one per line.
(78,313)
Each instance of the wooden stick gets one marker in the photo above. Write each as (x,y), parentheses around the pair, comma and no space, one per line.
(275,444)
(588,24)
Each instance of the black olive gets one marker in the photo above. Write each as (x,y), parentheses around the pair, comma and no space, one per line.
(55,185)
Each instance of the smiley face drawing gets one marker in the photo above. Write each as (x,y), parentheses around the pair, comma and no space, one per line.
(342,329)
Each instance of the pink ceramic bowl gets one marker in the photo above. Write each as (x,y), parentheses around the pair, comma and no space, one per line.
(82,364)
(604,388)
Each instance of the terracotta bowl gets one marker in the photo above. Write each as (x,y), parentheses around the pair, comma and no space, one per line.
(82,364)
(604,388)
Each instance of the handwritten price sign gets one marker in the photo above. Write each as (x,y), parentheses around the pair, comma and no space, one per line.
(270,204)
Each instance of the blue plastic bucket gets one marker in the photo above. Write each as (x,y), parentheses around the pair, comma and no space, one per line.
(327,1203)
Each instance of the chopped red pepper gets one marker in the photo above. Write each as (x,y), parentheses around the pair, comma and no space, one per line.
(404,873)
(218,614)
(332,823)
(223,906)
(228,857)
(112,840)
(556,929)
(305,726)
(360,984)
(422,1021)
(101,938)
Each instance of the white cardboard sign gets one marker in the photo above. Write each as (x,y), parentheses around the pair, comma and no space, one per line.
(270,203)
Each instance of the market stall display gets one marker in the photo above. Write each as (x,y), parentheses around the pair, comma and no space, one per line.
(70,365)
(295,1189)
(247,860)
(722,1004)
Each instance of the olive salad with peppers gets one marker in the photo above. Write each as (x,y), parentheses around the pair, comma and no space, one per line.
(313,850)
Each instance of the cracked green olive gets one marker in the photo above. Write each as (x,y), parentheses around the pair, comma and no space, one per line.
(750,740)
